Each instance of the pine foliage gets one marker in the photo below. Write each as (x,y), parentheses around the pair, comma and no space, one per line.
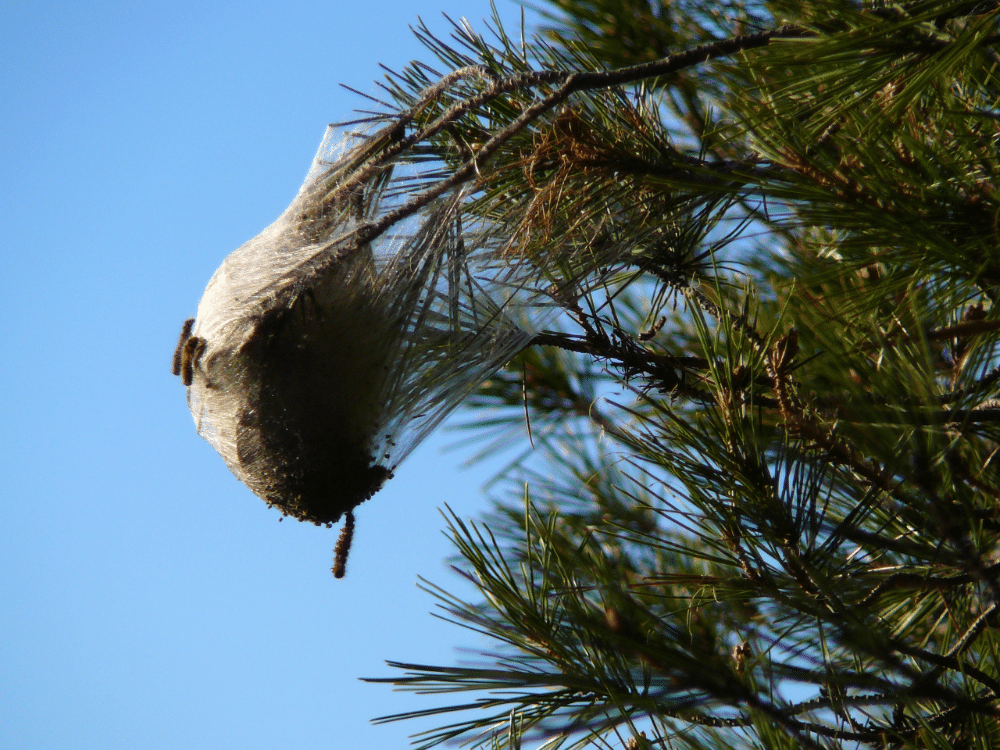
(757,505)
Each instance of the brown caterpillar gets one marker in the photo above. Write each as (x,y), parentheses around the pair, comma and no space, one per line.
(190,353)
(189,348)
(343,547)
(178,352)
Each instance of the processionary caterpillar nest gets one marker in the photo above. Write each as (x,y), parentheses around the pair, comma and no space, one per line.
(321,356)
(327,347)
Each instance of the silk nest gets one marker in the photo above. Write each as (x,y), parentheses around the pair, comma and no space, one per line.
(328,346)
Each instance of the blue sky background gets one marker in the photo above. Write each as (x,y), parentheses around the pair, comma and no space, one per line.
(147,599)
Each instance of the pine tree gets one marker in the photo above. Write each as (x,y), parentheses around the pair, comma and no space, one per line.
(757,504)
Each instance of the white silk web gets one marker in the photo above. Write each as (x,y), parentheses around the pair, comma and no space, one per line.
(323,352)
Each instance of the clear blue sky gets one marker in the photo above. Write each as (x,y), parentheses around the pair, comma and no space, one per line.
(147,599)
